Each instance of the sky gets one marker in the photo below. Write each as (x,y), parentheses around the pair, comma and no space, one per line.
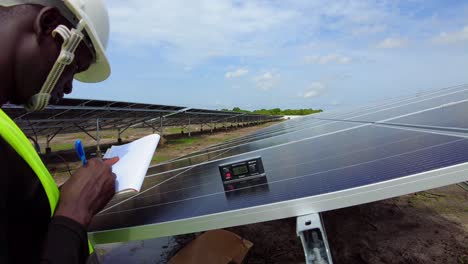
(257,54)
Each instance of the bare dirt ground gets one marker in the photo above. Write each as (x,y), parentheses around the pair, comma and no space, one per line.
(425,227)
(179,147)
(410,229)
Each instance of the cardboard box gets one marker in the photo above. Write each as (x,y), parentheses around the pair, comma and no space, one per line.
(214,247)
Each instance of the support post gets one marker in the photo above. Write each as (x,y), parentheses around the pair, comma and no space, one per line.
(188,127)
(119,134)
(121,131)
(98,139)
(464,186)
(161,125)
(36,145)
(86,132)
(311,231)
(49,139)
(48,150)
(38,149)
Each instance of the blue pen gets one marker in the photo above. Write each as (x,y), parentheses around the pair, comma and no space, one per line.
(80,151)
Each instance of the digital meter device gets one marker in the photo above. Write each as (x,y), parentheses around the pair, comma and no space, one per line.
(242,170)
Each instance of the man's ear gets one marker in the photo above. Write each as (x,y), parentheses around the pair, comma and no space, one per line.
(47,20)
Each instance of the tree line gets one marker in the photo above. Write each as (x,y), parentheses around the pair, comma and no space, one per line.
(277,111)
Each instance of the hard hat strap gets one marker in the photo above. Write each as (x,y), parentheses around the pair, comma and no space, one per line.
(71,41)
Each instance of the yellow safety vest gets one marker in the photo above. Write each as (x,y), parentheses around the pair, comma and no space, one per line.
(13,135)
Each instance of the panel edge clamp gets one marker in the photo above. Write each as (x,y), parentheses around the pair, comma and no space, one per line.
(311,231)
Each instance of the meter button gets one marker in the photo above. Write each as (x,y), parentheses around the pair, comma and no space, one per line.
(252,168)
(227,173)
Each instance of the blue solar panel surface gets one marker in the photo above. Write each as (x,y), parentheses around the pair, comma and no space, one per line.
(451,116)
(299,171)
(302,158)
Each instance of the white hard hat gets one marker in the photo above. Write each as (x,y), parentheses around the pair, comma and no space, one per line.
(94,13)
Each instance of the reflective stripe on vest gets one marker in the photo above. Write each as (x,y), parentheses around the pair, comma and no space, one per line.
(13,135)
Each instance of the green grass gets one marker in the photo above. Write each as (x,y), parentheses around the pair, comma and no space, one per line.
(182,141)
(172,130)
(158,158)
(63,146)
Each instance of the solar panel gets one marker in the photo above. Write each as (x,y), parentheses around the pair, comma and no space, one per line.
(311,166)
(298,165)
(308,127)
(449,116)
(414,106)
(78,115)
(283,137)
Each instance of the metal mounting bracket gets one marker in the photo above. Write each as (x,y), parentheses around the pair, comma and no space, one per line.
(314,240)
(464,185)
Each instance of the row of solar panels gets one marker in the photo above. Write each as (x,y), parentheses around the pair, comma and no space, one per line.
(313,164)
(75,115)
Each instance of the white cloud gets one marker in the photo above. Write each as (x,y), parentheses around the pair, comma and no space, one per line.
(237,73)
(392,43)
(331,58)
(452,37)
(311,93)
(266,81)
(314,90)
(192,31)
(195,31)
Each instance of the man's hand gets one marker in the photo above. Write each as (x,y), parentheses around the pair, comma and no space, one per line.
(88,190)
